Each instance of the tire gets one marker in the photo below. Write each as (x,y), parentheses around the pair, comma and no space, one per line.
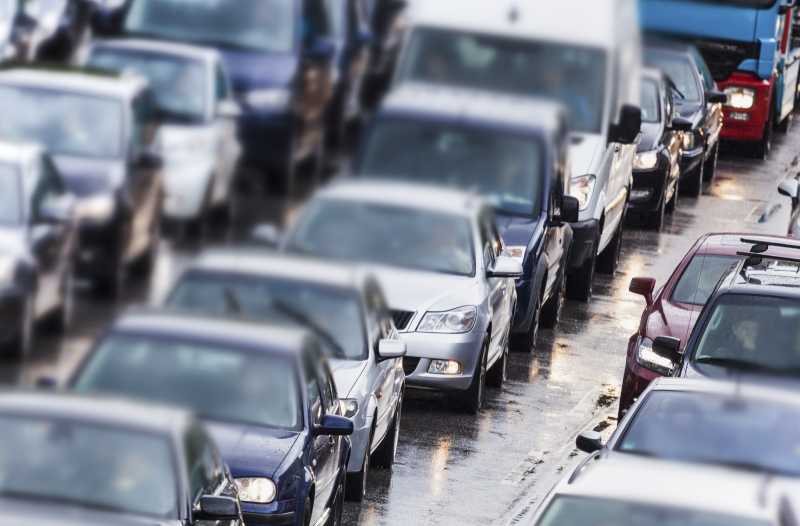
(335,518)
(385,454)
(356,486)
(710,165)
(580,282)
(655,220)
(764,146)
(608,260)
(551,311)
(23,342)
(692,184)
(785,125)
(527,342)
(308,510)
(496,376)
(472,399)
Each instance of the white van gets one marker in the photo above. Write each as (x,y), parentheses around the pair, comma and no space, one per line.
(587,55)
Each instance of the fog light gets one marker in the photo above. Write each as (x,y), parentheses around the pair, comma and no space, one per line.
(739,116)
(450,367)
(641,195)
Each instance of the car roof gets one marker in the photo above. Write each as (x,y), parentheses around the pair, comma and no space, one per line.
(179,49)
(264,262)
(742,390)
(86,81)
(239,333)
(417,196)
(478,107)
(96,409)
(729,243)
(668,483)
(17,153)
(553,21)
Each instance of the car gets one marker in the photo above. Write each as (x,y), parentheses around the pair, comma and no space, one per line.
(439,258)
(344,306)
(749,325)
(198,116)
(638,490)
(38,240)
(100,131)
(264,392)
(673,309)
(708,422)
(698,102)
(279,54)
(512,151)
(78,460)
(574,53)
(657,165)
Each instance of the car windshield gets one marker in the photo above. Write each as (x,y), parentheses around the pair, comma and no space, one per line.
(681,71)
(506,169)
(749,333)
(179,85)
(651,105)
(218,383)
(333,313)
(260,25)
(580,511)
(574,75)
(416,239)
(715,429)
(10,195)
(700,278)
(65,123)
(45,459)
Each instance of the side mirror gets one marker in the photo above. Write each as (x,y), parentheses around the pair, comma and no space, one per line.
(716,97)
(321,49)
(789,188)
(668,347)
(56,210)
(681,124)
(643,287)
(228,109)
(589,441)
(506,267)
(629,127)
(149,159)
(391,349)
(333,425)
(267,235)
(214,508)
(570,209)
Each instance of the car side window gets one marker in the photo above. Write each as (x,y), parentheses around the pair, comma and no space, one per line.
(310,364)
(205,472)
(379,316)
(329,395)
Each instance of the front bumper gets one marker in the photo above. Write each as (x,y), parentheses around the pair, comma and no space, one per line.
(280,513)
(584,242)
(648,188)
(424,347)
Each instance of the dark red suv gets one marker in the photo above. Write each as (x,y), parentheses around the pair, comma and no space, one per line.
(673,309)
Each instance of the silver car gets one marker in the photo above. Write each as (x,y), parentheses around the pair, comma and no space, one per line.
(440,261)
(344,307)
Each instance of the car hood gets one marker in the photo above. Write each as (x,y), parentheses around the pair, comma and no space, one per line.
(345,375)
(651,136)
(426,291)
(585,151)
(252,450)
(516,230)
(671,319)
(17,512)
(251,70)
(12,241)
(85,177)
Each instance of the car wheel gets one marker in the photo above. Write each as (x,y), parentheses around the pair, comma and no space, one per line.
(499,371)
(356,487)
(23,342)
(764,146)
(786,124)
(473,398)
(655,220)
(710,165)
(692,184)
(386,452)
(609,259)
(551,312)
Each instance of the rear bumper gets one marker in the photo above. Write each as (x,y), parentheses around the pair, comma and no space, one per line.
(584,242)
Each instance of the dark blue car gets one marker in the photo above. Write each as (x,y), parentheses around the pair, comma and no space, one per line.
(265,393)
(279,55)
(509,150)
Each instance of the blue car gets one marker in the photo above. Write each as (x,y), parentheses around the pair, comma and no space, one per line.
(279,54)
(265,393)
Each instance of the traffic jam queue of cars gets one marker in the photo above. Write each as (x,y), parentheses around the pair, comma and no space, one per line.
(503,157)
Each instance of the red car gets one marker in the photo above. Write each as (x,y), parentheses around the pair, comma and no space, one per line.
(674,308)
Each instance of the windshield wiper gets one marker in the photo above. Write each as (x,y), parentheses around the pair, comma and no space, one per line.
(732,363)
(303,319)
(55,499)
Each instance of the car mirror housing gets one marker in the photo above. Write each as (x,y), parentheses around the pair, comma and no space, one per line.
(391,349)
(643,287)
(629,126)
(570,209)
(668,347)
(506,267)
(681,124)
(589,441)
(217,508)
(716,97)
(334,425)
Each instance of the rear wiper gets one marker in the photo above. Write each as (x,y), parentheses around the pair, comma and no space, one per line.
(302,319)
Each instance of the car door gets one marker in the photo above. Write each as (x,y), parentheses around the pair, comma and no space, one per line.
(225,130)
(207,474)
(386,374)
(321,462)
(491,248)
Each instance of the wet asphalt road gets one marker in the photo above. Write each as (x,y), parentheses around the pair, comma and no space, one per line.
(457,469)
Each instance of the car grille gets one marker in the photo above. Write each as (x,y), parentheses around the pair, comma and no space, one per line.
(410,364)
(402,318)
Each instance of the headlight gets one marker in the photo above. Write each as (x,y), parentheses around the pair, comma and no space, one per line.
(453,321)
(268,98)
(256,490)
(98,208)
(349,407)
(516,252)
(7,268)
(688,140)
(581,188)
(740,98)
(646,160)
(448,367)
(646,357)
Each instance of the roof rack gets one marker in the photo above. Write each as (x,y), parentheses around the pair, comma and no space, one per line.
(767,243)
(761,255)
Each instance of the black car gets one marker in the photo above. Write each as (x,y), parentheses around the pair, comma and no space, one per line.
(265,392)
(750,325)
(697,101)
(101,133)
(73,460)
(656,167)
(38,237)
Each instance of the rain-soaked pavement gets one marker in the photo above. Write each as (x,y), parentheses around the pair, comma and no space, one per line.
(458,469)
